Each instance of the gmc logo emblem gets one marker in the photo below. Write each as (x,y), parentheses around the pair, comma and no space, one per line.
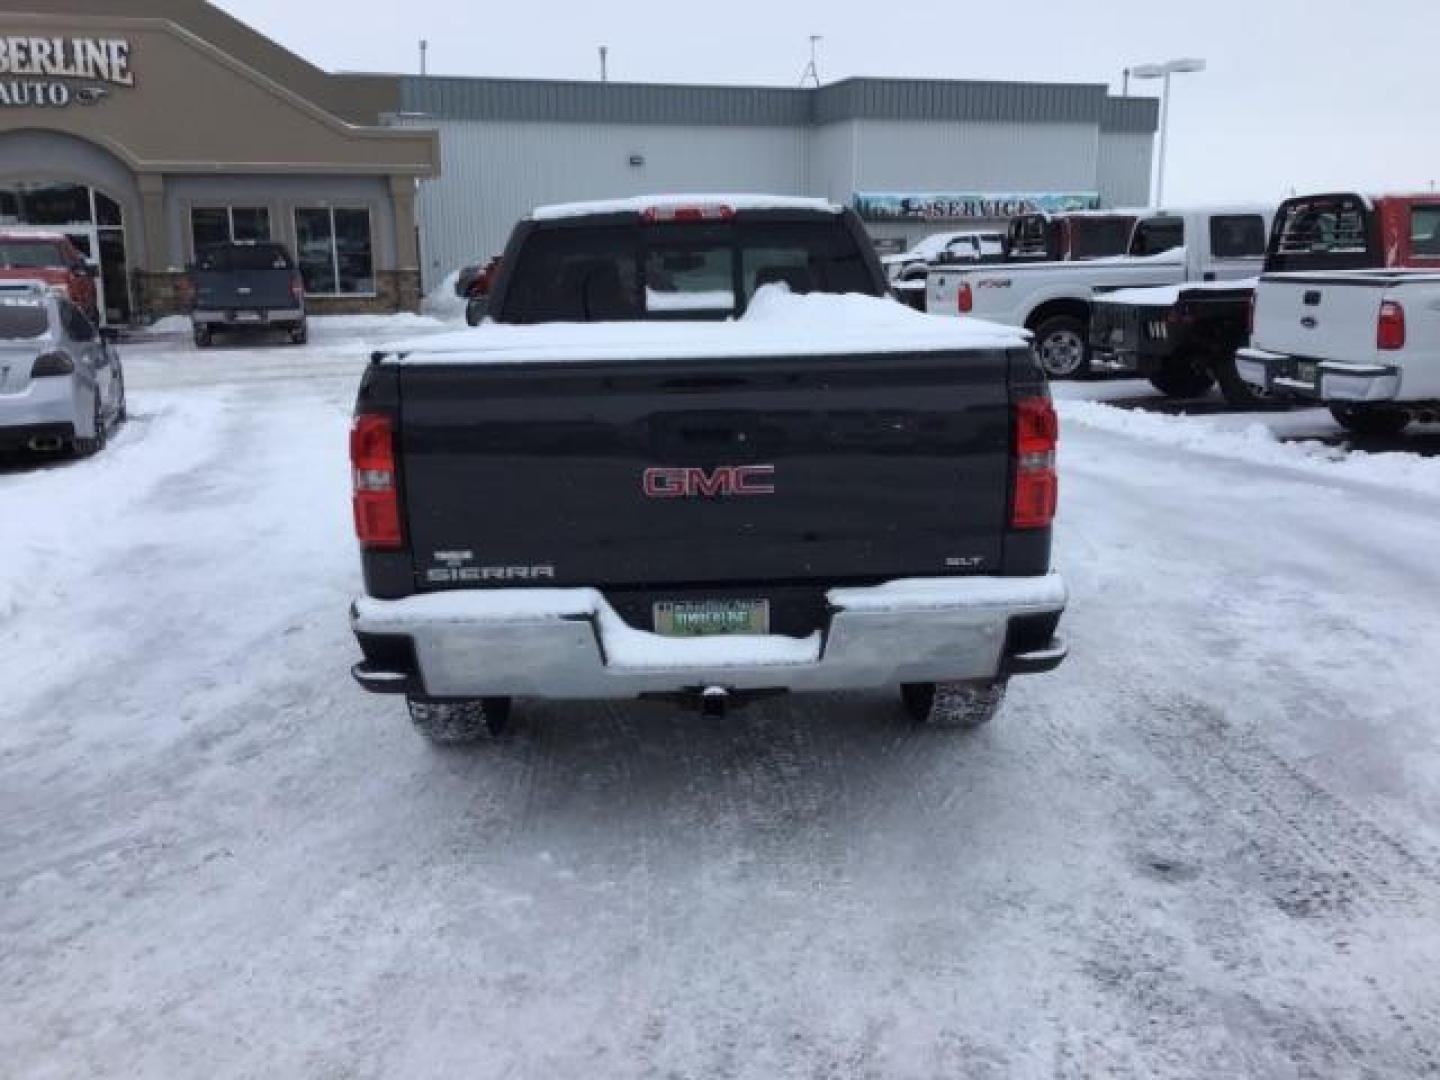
(695,483)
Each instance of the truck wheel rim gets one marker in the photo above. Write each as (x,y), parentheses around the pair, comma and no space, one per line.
(1062,353)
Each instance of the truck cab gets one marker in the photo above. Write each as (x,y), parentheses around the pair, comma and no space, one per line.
(1081,234)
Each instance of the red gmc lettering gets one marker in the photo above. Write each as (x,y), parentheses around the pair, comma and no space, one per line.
(698,483)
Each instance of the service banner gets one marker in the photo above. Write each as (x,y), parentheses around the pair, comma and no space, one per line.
(961,206)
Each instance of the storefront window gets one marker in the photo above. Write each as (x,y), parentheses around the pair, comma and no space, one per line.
(335,251)
(45,204)
(221,224)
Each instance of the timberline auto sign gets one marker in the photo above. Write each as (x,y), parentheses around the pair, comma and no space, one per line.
(40,72)
(960,206)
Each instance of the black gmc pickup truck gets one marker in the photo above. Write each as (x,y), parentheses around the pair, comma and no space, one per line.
(681,464)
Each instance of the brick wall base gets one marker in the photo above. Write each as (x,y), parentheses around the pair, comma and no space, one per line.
(160,294)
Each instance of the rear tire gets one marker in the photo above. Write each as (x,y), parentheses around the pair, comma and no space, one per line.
(954,706)
(299,334)
(203,336)
(457,723)
(1182,377)
(1239,394)
(1060,347)
(1370,419)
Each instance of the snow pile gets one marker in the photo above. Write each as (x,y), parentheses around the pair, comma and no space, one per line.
(388,321)
(48,503)
(170,324)
(442,303)
(777,323)
(1257,444)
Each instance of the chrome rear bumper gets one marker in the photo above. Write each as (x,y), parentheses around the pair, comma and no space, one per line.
(1332,380)
(569,643)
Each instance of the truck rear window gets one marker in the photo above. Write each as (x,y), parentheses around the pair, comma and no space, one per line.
(674,271)
(246,257)
(1155,236)
(1327,233)
(30,255)
(22,320)
(1425,231)
(1237,236)
(1099,238)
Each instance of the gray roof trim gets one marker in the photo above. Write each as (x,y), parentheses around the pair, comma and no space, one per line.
(596,102)
(1139,114)
(933,99)
(459,98)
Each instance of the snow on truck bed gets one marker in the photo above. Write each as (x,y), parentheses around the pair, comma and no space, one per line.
(776,323)
(1166,295)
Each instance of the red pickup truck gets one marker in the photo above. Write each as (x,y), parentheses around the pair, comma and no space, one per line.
(51,258)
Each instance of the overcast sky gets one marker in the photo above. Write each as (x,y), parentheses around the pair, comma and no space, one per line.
(1304,94)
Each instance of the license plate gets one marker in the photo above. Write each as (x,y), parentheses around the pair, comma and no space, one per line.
(708,618)
(248,316)
(1307,373)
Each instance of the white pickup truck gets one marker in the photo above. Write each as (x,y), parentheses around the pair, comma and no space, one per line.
(1364,342)
(1053,299)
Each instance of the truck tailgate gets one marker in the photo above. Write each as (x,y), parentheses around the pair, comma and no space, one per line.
(1319,317)
(639,473)
(243,290)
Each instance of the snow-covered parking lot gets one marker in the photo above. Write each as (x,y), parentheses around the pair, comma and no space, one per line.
(1208,846)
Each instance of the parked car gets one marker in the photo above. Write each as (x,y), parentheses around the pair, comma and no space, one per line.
(61,383)
(51,258)
(1185,339)
(472,285)
(1053,299)
(1366,343)
(764,493)
(946,248)
(247,285)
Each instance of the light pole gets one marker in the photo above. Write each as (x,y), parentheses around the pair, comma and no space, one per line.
(1164,71)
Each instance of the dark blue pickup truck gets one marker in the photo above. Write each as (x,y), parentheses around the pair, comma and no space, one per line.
(246,285)
(701,456)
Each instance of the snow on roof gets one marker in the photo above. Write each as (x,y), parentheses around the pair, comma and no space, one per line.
(777,323)
(640,203)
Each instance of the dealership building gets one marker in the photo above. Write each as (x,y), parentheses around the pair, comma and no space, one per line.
(145,129)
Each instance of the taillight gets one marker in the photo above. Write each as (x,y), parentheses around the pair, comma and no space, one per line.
(964,298)
(297,288)
(1390,332)
(1250,316)
(55,363)
(656,215)
(376,500)
(1037,486)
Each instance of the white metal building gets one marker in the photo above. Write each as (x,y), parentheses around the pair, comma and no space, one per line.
(913,156)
